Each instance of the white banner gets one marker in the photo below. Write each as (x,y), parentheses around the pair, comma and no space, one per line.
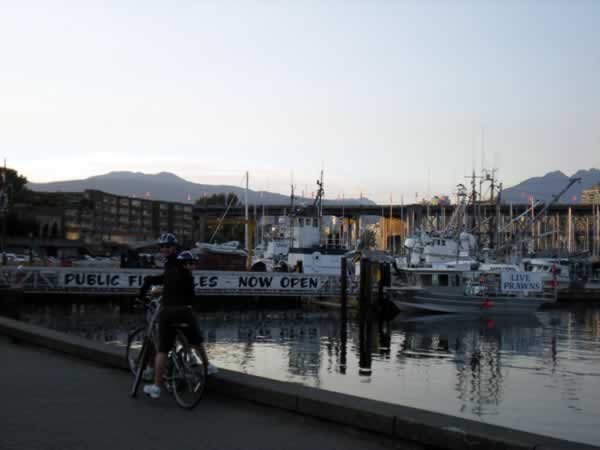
(73,278)
(204,281)
(521,282)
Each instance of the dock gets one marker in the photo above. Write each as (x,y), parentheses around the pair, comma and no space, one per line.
(127,282)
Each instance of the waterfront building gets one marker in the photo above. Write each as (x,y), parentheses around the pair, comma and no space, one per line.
(96,220)
(102,217)
(591,196)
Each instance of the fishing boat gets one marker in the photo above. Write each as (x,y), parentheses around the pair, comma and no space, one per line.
(551,269)
(458,291)
(303,243)
(226,256)
(310,251)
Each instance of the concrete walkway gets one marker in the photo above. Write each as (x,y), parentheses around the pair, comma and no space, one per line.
(53,401)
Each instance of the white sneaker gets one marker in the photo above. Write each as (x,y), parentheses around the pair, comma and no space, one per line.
(211,370)
(152,391)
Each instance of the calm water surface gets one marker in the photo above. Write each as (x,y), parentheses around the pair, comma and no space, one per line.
(539,373)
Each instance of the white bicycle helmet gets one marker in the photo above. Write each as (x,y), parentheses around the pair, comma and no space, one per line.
(167,239)
(186,255)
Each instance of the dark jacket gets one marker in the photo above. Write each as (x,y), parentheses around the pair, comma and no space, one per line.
(177,281)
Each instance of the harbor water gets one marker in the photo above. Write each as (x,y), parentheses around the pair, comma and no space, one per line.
(538,373)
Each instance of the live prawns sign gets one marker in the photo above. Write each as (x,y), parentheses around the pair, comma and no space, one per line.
(521,282)
(204,281)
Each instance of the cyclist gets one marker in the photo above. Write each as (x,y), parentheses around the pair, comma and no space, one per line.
(178,293)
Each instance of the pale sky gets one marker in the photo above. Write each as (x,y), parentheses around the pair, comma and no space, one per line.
(390,97)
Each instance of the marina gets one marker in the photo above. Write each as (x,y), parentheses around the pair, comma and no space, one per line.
(300,225)
(537,373)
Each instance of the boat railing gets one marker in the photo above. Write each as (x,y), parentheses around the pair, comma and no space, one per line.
(333,243)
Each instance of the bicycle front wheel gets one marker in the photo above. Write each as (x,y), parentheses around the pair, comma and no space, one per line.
(142,362)
(188,379)
(134,347)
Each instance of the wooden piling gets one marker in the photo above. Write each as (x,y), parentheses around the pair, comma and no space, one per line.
(365,314)
(344,288)
(344,315)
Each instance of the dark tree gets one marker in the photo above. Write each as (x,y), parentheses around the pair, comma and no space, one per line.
(219,200)
(15,182)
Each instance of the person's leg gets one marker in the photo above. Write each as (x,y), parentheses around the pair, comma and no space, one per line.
(166,338)
(160,362)
(165,341)
(153,390)
(194,336)
(203,356)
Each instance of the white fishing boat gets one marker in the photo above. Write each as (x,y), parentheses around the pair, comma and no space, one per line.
(427,249)
(310,251)
(458,291)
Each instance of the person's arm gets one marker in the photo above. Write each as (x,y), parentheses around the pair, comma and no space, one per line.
(189,284)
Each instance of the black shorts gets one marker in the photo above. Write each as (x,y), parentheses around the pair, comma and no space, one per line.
(172,316)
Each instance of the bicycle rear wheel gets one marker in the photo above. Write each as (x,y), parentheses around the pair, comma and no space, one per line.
(188,377)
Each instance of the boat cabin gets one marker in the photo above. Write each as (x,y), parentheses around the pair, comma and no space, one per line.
(429,277)
(306,232)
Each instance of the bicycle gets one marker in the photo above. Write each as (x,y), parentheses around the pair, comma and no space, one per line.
(185,374)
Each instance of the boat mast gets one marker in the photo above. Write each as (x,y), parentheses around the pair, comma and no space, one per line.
(493,225)
(390,227)
(262,218)
(246,212)
(4,189)
(319,203)
(497,208)
(292,215)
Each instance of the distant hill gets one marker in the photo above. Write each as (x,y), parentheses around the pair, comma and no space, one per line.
(544,188)
(167,187)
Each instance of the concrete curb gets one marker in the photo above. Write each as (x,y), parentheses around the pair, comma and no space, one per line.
(403,423)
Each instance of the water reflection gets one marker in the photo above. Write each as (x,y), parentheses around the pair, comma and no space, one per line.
(475,346)
(503,370)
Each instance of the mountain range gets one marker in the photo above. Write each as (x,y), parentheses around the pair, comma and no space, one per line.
(166,186)
(169,187)
(545,187)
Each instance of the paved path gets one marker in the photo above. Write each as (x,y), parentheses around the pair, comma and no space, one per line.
(52,401)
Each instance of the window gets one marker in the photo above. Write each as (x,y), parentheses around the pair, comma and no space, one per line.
(426,280)
(301,222)
(443,279)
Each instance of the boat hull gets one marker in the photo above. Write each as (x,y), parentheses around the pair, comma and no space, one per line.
(450,302)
